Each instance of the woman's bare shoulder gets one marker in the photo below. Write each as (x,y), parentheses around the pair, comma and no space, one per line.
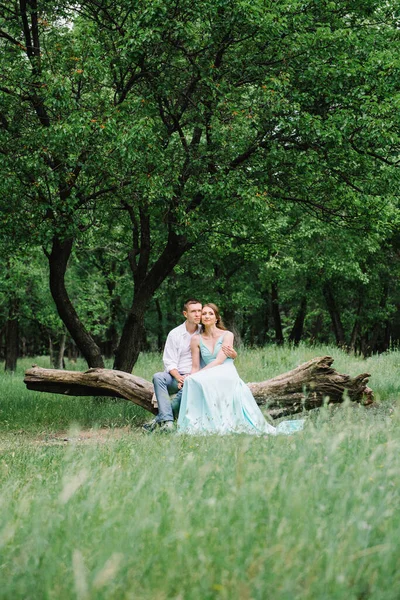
(227,334)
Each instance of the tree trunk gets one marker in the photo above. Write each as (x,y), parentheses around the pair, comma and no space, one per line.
(297,330)
(51,350)
(11,338)
(58,259)
(276,315)
(111,343)
(160,332)
(298,326)
(309,386)
(316,327)
(386,337)
(2,335)
(262,335)
(146,283)
(72,352)
(334,314)
(356,328)
(305,387)
(59,362)
(378,334)
(130,343)
(94,382)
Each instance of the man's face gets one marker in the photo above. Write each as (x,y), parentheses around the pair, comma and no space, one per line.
(193,314)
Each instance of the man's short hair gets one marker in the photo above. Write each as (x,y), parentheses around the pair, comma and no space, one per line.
(190,301)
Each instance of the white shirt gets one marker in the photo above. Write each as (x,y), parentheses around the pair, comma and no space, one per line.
(177,353)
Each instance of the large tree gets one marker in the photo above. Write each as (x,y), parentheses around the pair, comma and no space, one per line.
(163,122)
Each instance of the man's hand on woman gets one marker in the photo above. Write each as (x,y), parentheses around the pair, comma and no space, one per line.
(229,351)
(181,381)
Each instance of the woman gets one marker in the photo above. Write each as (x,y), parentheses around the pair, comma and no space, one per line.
(215,399)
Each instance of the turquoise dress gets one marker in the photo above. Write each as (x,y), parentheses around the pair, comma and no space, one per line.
(218,401)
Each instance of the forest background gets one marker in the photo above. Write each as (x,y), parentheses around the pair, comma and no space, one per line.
(245,153)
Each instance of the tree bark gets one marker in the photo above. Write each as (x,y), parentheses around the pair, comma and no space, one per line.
(276,315)
(2,334)
(305,387)
(51,350)
(356,328)
(111,336)
(58,259)
(298,326)
(23,346)
(309,386)
(160,332)
(334,314)
(11,338)
(262,339)
(316,327)
(59,362)
(94,382)
(145,285)
(379,330)
(72,352)
(297,329)
(130,343)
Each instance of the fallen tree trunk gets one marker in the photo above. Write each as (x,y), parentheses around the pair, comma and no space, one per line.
(309,386)
(305,387)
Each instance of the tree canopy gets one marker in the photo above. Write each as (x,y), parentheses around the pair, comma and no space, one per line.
(249,143)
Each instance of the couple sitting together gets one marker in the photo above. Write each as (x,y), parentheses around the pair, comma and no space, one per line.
(198,360)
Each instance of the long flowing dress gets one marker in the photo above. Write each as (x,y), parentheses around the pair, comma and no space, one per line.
(218,401)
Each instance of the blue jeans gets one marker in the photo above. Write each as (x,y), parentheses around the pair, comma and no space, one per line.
(165,386)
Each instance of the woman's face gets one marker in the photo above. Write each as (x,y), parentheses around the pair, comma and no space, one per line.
(208,316)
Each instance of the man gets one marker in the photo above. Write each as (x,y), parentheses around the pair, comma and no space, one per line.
(177,360)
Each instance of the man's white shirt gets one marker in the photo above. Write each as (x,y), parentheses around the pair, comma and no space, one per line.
(177,353)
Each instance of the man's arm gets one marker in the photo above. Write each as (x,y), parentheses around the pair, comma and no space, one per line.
(171,356)
(229,351)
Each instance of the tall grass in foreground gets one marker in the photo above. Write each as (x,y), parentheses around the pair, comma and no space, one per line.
(314,516)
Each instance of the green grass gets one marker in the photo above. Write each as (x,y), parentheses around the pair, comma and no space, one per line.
(311,516)
(22,409)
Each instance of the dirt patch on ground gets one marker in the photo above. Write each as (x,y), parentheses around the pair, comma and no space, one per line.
(84,436)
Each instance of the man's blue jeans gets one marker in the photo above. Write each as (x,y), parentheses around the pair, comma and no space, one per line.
(165,386)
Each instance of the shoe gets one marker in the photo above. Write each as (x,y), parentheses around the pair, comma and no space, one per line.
(150,427)
(167,427)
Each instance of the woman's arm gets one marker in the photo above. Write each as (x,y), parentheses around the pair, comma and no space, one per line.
(221,356)
(195,350)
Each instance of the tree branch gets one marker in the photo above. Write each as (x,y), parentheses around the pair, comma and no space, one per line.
(132,80)
(145,246)
(6,36)
(25,26)
(374,155)
(134,252)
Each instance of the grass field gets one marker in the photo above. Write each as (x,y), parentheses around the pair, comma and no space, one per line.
(93,508)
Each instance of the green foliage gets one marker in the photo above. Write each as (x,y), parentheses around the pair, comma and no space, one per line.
(234,126)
